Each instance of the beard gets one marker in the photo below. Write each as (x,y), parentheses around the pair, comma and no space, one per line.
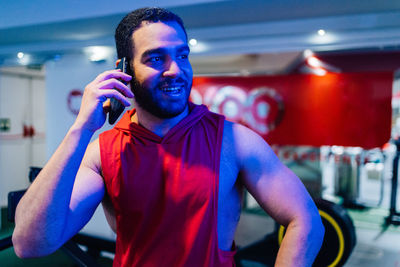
(147,100)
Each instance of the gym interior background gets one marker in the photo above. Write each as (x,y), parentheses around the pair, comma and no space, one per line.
(263,50)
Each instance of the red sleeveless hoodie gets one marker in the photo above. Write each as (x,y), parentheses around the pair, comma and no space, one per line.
(165,191)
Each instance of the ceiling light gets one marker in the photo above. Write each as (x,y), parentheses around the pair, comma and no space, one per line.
(193,42)
(319,72)
(200,47)
(98,53)
(321,32)
(24,59)
(314,62)
(307,53)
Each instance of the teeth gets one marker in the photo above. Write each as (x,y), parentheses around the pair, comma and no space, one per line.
(171,89)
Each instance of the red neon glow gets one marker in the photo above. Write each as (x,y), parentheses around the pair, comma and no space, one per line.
(345,109)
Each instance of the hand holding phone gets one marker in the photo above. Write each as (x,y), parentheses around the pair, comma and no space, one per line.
(116,108)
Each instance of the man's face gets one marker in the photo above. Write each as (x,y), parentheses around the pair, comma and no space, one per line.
(162,71)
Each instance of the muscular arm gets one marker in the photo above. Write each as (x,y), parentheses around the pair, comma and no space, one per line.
(282,195)
(49,214)
(69,188)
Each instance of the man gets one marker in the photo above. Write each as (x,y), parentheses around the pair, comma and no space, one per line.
(169,175)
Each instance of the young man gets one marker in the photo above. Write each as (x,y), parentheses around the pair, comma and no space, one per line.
(169,175)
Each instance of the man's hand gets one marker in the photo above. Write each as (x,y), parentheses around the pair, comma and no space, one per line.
(93,110)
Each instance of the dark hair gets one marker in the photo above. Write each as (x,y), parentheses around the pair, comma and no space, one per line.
(133,21)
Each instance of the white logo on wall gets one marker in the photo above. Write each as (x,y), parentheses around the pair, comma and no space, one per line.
(261,108)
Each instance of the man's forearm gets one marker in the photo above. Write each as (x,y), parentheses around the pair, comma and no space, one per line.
(42,212)
(301,244)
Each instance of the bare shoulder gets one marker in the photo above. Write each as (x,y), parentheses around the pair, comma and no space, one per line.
(248,144)
(246,153)
(275,187)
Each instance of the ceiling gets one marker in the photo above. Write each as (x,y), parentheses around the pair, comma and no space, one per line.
(252,36)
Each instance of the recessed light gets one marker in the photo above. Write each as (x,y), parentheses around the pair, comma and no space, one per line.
(319,72)
(314,62)
(307,53)
(321,32)
(98,53)
(193,42)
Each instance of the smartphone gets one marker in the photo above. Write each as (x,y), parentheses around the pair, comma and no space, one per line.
(116,108)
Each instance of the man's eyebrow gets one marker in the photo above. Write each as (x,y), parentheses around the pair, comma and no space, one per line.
(153,51)
(162,50)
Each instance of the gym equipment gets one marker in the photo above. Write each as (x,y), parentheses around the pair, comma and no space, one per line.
(81,258)
(340,237)
(339,240)
(349,169)
(394,215)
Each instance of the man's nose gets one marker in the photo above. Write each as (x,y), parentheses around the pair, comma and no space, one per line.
(172,70)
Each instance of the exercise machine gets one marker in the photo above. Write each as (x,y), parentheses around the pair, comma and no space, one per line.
(339,240)
(394,215)
(81,258)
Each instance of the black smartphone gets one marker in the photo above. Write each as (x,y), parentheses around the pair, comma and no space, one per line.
(116,108)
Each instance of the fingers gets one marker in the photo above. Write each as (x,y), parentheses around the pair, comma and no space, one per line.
(94,106)
(116,74)
(115,94)
(114,79)
(113,83)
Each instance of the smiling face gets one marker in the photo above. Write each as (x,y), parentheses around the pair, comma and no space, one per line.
(162,71)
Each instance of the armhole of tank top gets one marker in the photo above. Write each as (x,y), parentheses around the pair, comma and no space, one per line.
(103,158)
(107,166)
(218,151)
(220,134)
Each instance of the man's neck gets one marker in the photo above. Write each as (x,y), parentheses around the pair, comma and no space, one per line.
(157,125)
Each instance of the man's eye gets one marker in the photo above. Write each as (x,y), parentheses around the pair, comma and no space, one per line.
(183,56)
(155,59)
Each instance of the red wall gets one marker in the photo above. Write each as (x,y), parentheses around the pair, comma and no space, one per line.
(347,109)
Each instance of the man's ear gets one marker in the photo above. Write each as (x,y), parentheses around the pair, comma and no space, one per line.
(117,62)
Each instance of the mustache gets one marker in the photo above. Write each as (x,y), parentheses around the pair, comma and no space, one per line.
(167,82)
(172,81)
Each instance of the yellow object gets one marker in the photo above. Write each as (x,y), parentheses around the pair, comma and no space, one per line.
(339,233)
